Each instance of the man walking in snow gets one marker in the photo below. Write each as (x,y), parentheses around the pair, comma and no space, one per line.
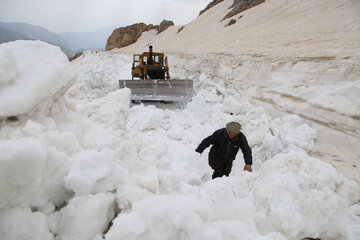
(225,145)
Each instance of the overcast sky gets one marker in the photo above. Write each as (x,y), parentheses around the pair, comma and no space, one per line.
(89,15)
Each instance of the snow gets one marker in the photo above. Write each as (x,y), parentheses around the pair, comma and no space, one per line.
(290,85)
(21,223)
(78,161)
(31,173)
(76,213)
(90,165)
(22,72)
(247,204)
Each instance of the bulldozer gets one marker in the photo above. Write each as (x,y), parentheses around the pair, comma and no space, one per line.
(151,80)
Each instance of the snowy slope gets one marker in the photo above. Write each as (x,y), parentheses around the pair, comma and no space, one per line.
(300,28)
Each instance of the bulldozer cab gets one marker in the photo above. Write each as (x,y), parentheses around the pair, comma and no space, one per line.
(155,59)
(150,65)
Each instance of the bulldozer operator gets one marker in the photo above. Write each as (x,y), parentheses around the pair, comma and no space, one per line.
(225,145)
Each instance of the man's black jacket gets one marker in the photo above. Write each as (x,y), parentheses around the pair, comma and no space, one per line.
(225,148)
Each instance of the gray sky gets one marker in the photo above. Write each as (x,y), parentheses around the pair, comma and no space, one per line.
(89,15)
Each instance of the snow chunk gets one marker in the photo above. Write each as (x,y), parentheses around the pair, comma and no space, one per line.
(111,110)
(86,217)
(33,74)
(37,181)
(23,224)
(32,128)
(302,196)
(8,66)
(292,130)
(94,171)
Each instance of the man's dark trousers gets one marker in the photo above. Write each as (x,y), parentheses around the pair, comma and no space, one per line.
(220,166)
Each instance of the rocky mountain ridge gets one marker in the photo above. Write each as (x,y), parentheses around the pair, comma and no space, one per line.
(242,5)
(238,6)
(125,36)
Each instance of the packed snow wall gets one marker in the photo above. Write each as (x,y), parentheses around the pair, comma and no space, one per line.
(323,91)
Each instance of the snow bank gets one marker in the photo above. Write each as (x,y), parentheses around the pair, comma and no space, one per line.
(321,90)
(32,75)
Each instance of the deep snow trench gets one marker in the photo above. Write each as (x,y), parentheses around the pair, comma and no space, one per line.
(87,165)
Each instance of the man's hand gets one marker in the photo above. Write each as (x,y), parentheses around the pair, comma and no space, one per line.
(248,168)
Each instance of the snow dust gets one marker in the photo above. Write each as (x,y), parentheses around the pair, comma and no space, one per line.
(87,159)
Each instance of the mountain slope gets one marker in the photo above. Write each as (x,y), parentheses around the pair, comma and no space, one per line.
(23,31)
(276,27)
(7,35)
(35,32)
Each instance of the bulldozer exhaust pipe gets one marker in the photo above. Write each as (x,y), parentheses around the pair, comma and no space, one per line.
(151,55)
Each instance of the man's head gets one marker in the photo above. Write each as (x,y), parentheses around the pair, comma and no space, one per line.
(233,129)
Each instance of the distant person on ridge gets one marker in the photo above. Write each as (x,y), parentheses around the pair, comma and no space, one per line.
(225,145)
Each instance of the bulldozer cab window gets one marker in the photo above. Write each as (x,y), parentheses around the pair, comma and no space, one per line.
(145,60)
(156,59)
(136,60)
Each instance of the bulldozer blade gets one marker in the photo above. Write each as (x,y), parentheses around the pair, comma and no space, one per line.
(166,90)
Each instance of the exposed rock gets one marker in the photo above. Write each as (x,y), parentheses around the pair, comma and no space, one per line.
(180,29)
(164,25)
(231,22)
(210,5)
(75,56)
(125,36)
(239,6)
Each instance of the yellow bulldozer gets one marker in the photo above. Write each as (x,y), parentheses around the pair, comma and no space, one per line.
(151,80)
(150,65)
